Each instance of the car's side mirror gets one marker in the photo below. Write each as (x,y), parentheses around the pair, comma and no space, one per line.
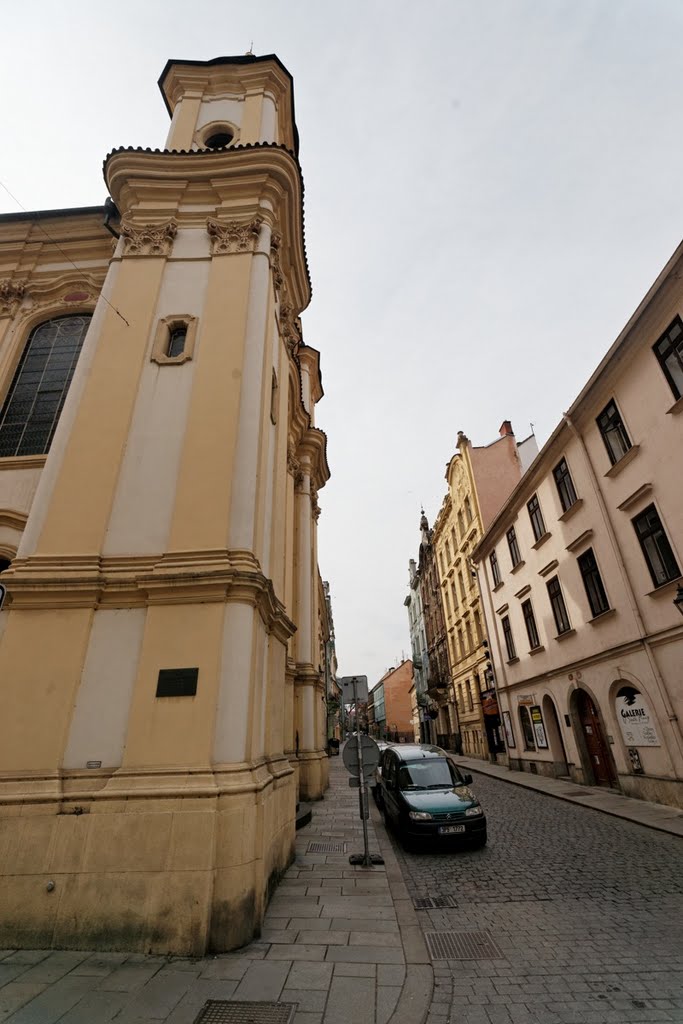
(467,779)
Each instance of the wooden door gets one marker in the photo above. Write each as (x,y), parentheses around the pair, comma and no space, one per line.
(598,751)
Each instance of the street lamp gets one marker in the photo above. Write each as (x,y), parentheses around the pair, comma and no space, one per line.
(678,599)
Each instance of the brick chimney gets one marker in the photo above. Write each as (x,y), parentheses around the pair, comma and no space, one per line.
(506,428)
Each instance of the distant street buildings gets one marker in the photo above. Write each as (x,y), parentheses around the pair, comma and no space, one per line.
(389,705)
(581,572)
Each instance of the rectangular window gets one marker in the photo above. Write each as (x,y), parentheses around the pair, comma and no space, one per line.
(558,606)
(656,548)
(536,517)
(462,587)
(611,426)
(595,592)
(470,701)
(509,640)
(514,547)
(530,623)
(495,568)
(454,595)
(669,352)
(565,487)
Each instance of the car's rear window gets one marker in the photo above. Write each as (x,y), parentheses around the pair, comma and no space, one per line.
(429,773)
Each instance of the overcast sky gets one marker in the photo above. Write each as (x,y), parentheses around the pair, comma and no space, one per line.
(491,187)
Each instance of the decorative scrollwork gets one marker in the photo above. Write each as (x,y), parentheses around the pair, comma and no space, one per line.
(148,239)
(290,325)
(275,243)
(11,294)
(293,464)
(235,236)
(315,507)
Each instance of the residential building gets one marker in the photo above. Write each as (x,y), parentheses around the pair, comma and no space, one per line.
(392,704)
(333,694)
(479,480)
(163,696)
(587,633)
(438,667)
(418,646)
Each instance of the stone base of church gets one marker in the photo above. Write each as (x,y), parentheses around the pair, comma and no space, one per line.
(314,774)
(181,862)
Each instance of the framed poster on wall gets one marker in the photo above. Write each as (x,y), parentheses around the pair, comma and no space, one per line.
(539,728)
(509,734)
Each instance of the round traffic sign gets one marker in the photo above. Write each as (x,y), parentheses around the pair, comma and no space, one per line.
(370,755)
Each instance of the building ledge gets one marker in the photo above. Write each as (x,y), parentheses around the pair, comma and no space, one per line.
(548,568)
(541,540)
(597,619)
(663,588)
(563,636)
(523,591)
(676,407)
(517,567)
(578,541)
(503,608)
(641,492)
(23,462)
(571,510)
(536,650)
(498,586)
(512,661)
(623,461)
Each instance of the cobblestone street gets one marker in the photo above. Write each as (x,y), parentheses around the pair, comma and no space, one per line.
(586,909)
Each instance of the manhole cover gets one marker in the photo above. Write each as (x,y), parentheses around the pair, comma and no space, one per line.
(220,1011)
(462,946)
(434,902)
(326,848)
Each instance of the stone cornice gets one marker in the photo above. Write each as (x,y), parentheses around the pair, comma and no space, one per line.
(86,581)
(314,445)
(13,520)
(230,184)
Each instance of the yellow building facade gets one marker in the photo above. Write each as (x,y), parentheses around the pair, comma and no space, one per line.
(479,479)
(163,701)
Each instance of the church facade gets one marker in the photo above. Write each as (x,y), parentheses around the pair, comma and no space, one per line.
(160,657)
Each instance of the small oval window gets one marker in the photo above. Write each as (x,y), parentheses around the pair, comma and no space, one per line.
(219,140)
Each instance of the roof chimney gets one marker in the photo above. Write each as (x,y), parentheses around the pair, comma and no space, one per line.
(506,428)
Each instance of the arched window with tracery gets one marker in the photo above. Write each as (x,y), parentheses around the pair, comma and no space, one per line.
(30,413)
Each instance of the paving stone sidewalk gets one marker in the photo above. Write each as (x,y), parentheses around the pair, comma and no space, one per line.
(342,942)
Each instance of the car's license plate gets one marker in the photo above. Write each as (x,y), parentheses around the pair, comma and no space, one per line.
(449,829)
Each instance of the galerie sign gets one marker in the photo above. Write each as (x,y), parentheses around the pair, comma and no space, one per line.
(635,719)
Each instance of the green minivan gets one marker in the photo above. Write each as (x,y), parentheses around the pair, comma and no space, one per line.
(422,794)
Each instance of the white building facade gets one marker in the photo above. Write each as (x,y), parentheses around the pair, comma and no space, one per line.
(581,568)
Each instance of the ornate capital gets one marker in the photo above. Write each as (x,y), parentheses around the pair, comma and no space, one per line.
(291,328)
(293,464)
(275,243)
(11,294)
(148,239)
(235,236)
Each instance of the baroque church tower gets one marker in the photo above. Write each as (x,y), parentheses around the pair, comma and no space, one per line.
(159,649)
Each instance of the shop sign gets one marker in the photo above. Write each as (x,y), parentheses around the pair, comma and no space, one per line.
(539,728)
(635,719)
(489,702)
(525,698)
(509,734)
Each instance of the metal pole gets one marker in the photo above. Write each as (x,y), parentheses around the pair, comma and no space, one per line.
(363,791)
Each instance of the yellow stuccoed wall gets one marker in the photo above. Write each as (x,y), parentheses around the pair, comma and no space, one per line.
(174,843)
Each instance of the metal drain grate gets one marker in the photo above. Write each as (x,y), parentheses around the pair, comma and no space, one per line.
(434,903)
(220,1011)
(462,946)
(326,848)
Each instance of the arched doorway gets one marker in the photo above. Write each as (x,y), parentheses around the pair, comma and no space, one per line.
(598,761)
(555,740)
